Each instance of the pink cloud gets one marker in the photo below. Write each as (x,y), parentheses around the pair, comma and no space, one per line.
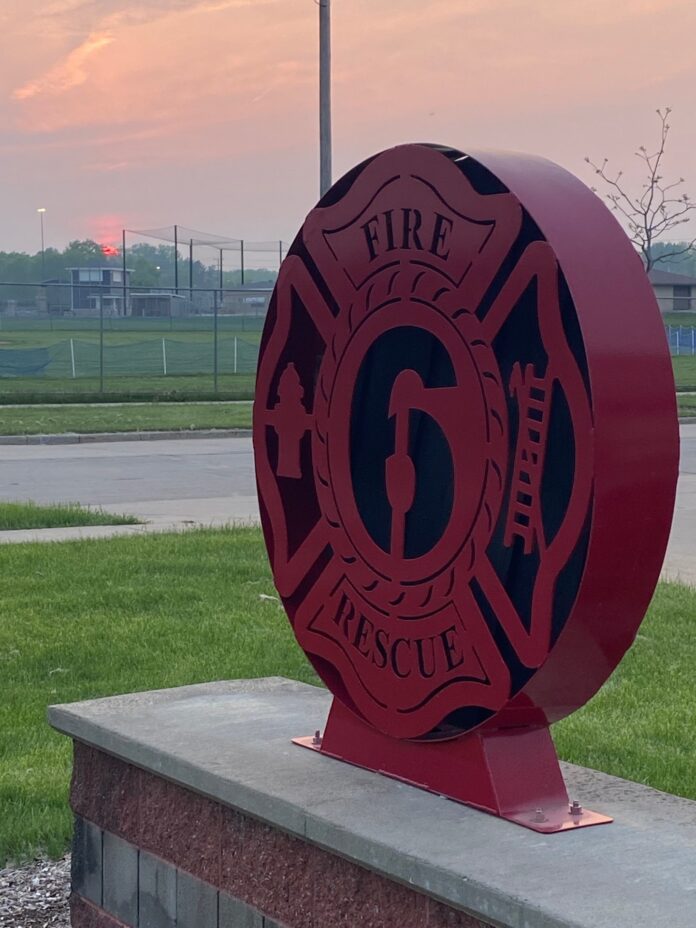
(129,100)
(68,73)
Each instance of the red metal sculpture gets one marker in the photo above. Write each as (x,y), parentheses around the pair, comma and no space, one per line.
(466,452)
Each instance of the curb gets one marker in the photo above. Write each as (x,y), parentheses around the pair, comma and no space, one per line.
(75,438)
(86,438)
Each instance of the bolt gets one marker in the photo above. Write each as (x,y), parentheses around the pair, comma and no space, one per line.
(316,740)
(539,816)
(575,808)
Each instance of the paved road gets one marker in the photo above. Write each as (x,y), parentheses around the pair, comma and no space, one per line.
(680,562)
(211,481)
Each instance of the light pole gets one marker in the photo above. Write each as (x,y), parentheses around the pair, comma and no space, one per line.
(324,95)
(41,210)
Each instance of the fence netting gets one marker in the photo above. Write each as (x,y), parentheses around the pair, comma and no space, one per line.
(74,358)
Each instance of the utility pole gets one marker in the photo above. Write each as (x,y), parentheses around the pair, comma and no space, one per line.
(324,95)
(41,210)
(124,271)
(176,259)
(191,272)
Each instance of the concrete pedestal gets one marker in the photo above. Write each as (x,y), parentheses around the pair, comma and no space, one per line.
(194,810)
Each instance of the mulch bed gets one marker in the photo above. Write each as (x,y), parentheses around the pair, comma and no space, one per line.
(36,896)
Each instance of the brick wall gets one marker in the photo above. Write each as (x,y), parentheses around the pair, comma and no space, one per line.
(151,854)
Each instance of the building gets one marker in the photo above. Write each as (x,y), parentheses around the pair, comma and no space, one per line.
(159,304)
(96,290)
(249,299)
(674,292)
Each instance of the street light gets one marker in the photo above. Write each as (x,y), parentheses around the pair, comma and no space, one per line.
(41,210)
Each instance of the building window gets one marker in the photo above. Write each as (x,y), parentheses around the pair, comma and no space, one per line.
(90,276)
(682,298)
(116,277)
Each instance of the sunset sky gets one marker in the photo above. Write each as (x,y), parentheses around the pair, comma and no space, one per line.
(204,112)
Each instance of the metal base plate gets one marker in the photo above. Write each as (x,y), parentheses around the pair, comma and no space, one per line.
(512,774)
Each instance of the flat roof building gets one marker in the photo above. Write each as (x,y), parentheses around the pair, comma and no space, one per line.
(95,290)
(674,292)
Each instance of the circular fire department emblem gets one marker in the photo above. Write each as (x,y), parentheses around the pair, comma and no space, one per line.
(424,443)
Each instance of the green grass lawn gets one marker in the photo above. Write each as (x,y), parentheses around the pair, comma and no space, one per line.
(685,372)
(16,516)
(89,619)
(179,388)
(680,318)
(44,337)
(36,420)
(641,724)
(173,388)
(687,405)
(54,418)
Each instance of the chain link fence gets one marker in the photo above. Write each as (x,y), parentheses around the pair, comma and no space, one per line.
(62,340)
(59,340)
(681,339)
(75,358)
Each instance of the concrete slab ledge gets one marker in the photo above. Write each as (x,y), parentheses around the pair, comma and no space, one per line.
(80,438)
(230,742)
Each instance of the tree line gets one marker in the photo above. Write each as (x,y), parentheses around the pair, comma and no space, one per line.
(151,266)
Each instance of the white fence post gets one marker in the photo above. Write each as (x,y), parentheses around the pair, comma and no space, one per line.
(164,357)
(72,358)
(235,354)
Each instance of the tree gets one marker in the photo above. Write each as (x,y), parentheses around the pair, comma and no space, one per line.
(658,209)
(87,253)
(151,266)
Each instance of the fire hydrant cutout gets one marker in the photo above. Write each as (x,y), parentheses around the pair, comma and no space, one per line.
(466,483)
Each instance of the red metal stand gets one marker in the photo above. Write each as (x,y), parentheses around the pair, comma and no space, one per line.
(509,772)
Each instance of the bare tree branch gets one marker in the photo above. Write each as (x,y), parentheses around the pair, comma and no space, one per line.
(656,210)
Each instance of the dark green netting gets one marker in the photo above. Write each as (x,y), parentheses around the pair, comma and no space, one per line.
(24,362)
(75,358)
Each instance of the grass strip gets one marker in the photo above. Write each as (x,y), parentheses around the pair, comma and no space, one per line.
(51,419)
(685,372)
(124,388)
(180,388)
(687,405)
(94,618)
(679,318)
(16,516)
